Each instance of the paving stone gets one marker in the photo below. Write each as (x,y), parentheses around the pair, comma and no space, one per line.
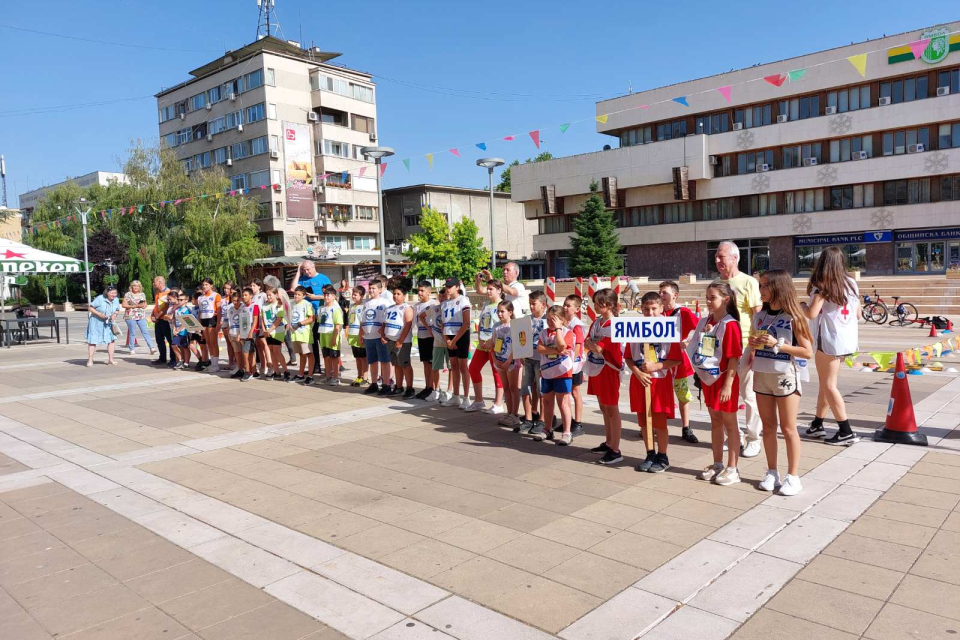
(88,610)
(931,596)
(575,532)
(532,554)
(773,625)
(855,577)
(623,617)
(691,570)
(410,629)
(739,592)
(839,609)
(638,551)
(660,526)
(478,536)
(754,527)
(921,497)
(132,564)
(595,574)
(214,604)
(426,558)
(689,622)
(37,565)
(902,623)
(177,580)
(847,503)
(60,586)
(911,535)
(878,475)
(22,627)
(468,621)
(482,579)
(714,515)
(909,513)
(274,620)
(803,538)
(522,517)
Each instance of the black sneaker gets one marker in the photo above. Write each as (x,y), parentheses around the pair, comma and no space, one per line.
(286,376)
(409,393)
(297,379)
(239,374)
(544,434)
(372,389)
(647,462)
(660,464)
(611,457)
(537,430)
(269,376)
(245,378)
(689,436)
(256,374)
(385,390)
(308,380)
(423,395)
(843,439)
(199,367)
(576,430)
(524,427)
(158,361)
(557,424)
(603,448)
(396,391)
(815,432)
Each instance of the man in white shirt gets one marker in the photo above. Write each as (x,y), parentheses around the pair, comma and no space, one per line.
(513,289)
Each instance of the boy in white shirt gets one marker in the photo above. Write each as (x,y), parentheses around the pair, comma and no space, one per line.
(425,340)
(371,322)
(456,332)
(398,335)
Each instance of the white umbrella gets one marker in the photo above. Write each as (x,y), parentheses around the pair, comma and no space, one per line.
(16,257)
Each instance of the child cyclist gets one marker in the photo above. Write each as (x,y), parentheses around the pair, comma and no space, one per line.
(780,344)
(275,328)
(398,336)
(330,328)
(425,339)
(715,350)
(484,351)
(508,367)
(603,366)
(657,376)
(301,334)
(669,292)
(555,348)
(571,310)
(354,337)
(371,321)
(456,332)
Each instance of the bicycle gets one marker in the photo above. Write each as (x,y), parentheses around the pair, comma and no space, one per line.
(905,313)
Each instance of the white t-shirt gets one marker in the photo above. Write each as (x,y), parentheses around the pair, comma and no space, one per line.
(835,330)
(521,301)
(423,330)
(232,316)
(487,321)
(452,312)
(371,318)
(393,321)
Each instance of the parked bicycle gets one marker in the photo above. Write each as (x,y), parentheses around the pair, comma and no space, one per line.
(875,310)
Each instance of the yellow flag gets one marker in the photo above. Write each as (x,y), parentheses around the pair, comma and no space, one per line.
(917,353)
(883,358)
(602,119)
(859,63)
(430,160)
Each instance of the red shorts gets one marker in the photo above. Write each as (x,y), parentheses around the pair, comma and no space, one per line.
(661,397)
(606,386)
(711,396)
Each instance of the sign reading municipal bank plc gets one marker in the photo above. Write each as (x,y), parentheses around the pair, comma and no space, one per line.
(942,42)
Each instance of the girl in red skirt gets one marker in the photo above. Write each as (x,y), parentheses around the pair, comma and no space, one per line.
(604,363)
(715,350)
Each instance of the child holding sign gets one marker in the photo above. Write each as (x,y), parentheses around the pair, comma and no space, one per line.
(556,372)
(715,350)
(651,384)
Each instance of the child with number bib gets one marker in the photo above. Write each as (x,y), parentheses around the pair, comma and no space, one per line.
(556,372)
(508,367)
(571,307)
(780,343)
(275,321)
(354,337)
(482,354)
(603,366)
(715,349)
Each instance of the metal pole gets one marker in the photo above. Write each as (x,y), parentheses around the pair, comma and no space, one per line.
(383,248)
(86,259)
(493,247)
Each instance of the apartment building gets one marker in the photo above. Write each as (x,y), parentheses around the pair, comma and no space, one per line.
(273,113)
(29,199)
(514,233)
(869,162)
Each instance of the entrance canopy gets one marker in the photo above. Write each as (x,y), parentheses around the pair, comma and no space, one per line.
(16,257)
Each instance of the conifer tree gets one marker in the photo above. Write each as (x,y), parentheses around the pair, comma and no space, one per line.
(595,243)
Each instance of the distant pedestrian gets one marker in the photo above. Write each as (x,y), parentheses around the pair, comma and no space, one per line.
(100,325)
(161,323)
(135,305)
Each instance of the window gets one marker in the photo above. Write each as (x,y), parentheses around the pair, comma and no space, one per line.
(253,80)
(413,220)
(338,211)
(850,99)
(238,181)
(764,204)
(747,162)
(271,111)
(804,201)
(364,243)
(323,82)
(550,224)
(905,89)
(899,142)
(841,197)
(259,179)
(168,113)
(255,113)
(233,119)
(366,213)
(337,241)
(751,117)
(200,131)
(843,150)
(949,79)
(640,135)
(671,130)
(213,95)
(276,243)
(906,191)
(240,150)
(170,140)
(800,108)
(201,160)
(276,176)
(950,188)
(184,136)
(333,148)
(361,92)
(274,143)
(363,124)
(220,155)
(271,77)
(949,135)
(638,216)
(721,209)
(795,155)
(677,212)
(341,180)
(715,123)
(217,125)
(724,167)
(197,102)
(258,146)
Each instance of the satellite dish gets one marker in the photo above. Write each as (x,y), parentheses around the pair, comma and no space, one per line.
(606,147)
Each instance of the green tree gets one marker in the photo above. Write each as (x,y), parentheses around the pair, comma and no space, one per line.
(595,244)
(432,251)
(472,256)
(504,184)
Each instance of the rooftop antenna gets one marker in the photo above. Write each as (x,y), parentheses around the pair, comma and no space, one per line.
(267,23)
(629,87)
(3,178)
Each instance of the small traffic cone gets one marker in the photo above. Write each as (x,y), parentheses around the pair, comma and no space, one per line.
(949,328)
(933,330)
(901,424)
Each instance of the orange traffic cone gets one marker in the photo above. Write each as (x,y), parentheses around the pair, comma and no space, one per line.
(933,330)
(949,328)
(901,424)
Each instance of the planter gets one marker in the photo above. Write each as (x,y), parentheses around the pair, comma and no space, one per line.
(66,307)
(855,274)
(688,278)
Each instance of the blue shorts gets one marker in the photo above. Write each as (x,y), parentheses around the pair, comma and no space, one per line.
(556,385)
(377,351)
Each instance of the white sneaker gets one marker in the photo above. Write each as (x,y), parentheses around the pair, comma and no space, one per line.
(215,367)
(771,480)
(476,406)
(727,477)
(751,449)
(434,396)
(496,410)
(465,403)
(450,401)
(711,471)
(133,351)
(791,486)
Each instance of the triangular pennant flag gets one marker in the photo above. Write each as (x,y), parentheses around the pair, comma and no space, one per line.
(406,163)
(682,100)
(725,92)
(430,160)
(918,47)
(851,359)
(363,170)
(535,136)
(796,74)
(564,127)
(602,119)
(509,138)
(859,63)
(455,152)
(937,349)
(883,358)
(383,169)
(482,146)
(775,80)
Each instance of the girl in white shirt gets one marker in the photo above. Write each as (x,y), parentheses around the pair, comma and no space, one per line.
(833,311)
(455,311)
(508,367)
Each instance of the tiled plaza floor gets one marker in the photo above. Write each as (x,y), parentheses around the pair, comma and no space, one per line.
(392,520)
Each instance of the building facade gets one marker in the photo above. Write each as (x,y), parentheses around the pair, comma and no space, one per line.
(784,158)
(29,200)
(514,232)
(272,113)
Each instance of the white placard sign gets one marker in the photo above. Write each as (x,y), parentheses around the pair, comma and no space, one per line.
(521,336)
(191,323)
(641,329)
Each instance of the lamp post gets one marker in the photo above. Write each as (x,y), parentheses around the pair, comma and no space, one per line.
(86,259)
(378,154)
(490,164)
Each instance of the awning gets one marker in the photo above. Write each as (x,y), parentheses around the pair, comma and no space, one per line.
(16,257)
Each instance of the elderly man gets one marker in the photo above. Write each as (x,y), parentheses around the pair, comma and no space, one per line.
(748,303)
(314,283)
(161,326)
(513,289)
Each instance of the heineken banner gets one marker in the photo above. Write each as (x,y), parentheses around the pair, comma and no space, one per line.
(20,258)
(298,163)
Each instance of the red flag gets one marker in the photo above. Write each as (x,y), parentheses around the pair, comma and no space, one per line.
(776,80)
(383,169)
(535,136)
(455,152)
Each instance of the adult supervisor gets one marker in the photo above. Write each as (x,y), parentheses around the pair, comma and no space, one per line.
(162,327)
(513,289)
(748,303)
(308,278)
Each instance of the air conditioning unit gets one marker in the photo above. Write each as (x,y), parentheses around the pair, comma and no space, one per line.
(373,137)
(240,128)
(318,190)
(209,137)
(781,118)
(898,150)
(737,126)
(277,188)
(183,116)
(884,102)
(763,167)
(860,155)
(274,155)
(229,162)
(233,96)
(915,148)
(809,162)
(209,106)
(313,117)
(714,161)
(943,91)
(830,111)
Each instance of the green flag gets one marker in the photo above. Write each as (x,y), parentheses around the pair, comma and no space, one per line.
(564,127)
(883,358)
(796,74)
(406,163)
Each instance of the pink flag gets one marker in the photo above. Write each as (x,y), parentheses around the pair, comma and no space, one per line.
(383,169)
(535,136)
(508,138)
(776,80)
(725,92)
(919,47)
(363,170)
(455,152)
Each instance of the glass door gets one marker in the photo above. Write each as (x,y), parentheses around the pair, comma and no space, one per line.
(922,251)
(905,258)
(954,262)
(937,257)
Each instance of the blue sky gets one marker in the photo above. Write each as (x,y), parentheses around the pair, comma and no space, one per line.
(482,70)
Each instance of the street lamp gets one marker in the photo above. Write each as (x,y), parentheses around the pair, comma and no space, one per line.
(490,164)
(378,154)
(86,260)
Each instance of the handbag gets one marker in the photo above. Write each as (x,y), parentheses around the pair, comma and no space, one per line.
(115,329)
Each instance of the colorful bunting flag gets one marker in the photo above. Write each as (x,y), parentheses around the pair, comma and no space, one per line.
(564,127)
(918,47)
(725,92)
(535,136)
(455,152)
(883,358)
(406,163)
(363,170)
(602,119)
(482,146)
(430,160)
(682,100)
(796,74)
(859,63)
(383,169)
(776,80)
(509,138)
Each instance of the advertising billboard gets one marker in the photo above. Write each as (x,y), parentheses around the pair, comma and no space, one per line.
(298,166)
